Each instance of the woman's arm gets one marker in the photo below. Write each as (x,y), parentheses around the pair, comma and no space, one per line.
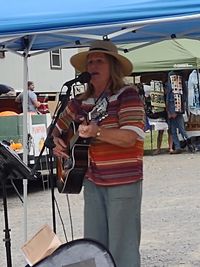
(60,147)
(119,137)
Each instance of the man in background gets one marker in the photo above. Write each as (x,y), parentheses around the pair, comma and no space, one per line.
(33,103)
(175,103)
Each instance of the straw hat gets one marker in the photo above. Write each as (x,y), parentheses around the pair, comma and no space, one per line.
(78,61)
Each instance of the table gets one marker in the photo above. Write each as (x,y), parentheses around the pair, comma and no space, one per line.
(156,125)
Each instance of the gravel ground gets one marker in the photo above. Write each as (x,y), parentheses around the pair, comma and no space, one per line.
(170,214)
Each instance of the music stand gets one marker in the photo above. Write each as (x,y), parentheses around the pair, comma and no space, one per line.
(11,167)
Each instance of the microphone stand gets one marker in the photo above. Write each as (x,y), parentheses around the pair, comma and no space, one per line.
(50,145)
(6,169)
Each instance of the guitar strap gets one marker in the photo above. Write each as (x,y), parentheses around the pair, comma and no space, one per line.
(103,95)
(75,125)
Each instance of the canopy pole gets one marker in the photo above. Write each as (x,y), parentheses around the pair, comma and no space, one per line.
(25,140)
(197,70)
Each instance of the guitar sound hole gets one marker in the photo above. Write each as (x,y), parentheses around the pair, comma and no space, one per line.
(68,164)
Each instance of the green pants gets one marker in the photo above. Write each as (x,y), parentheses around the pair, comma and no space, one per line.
(112,217)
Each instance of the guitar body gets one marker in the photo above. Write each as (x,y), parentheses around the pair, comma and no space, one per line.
(71,171)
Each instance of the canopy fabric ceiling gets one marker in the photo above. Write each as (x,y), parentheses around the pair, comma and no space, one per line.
(163,56)
(50,25)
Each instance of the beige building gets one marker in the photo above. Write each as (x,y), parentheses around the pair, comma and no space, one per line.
(49,70)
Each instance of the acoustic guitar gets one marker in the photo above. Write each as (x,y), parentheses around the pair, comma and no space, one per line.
(71,171)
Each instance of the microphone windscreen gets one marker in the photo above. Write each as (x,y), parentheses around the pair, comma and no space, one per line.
(84,77)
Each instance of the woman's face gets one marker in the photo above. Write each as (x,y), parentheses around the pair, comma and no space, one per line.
(99,68)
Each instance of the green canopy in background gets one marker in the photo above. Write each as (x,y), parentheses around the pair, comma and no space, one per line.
(164,56)
(174,54)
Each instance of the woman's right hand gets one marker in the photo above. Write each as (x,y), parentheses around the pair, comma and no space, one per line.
(60,148)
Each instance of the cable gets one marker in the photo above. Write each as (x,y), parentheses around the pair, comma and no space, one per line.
(63,226)
(70,217)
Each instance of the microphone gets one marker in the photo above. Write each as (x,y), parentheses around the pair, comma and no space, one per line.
(82,78)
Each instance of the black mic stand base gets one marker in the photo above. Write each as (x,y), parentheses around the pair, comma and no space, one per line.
(5,172)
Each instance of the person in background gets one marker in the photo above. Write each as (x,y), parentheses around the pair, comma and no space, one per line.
(158,115)
(194,93)
(113,181)
(175,104)
(160,139)
(33,103)
(164,115)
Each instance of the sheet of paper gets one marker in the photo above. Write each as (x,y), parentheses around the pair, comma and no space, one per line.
(41,245)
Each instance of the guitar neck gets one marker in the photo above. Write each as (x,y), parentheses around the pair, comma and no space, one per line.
(73,140)
(96,114)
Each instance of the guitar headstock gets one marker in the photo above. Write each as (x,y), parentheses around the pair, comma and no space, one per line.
(99,112)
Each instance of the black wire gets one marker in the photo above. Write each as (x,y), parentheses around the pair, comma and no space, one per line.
(70,217)
(62,223)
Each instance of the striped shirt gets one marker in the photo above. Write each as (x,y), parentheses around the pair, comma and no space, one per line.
(110,164)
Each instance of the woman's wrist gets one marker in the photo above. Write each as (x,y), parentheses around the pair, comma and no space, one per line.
(98,133)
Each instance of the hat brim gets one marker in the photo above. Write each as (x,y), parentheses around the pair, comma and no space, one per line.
(78,61)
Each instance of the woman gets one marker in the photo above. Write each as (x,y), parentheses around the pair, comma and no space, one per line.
(113,182)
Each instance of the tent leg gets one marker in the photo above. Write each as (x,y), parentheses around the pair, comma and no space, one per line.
(25,141)
(151,135)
